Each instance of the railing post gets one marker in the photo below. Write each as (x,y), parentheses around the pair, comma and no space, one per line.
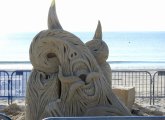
(151,81)
(11,88)
(153,92)
(8,86)
(4,78)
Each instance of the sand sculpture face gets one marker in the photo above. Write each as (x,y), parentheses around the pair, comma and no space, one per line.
(67,80)
(53,48)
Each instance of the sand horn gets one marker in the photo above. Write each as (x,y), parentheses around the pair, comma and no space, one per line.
(53,22)
(98,32)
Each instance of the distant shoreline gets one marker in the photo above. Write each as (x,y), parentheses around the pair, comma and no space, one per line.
(115,65)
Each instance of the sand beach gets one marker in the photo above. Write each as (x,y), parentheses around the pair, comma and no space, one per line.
(140,108)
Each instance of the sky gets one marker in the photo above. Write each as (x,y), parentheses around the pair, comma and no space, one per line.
(83,15)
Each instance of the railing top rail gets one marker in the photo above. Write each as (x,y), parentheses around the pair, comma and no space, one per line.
(7,74)
(130,71)
(19,71)
(159,72)
(4,72)
(133,71)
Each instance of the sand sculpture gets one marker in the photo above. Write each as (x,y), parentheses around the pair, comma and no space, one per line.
(67,77)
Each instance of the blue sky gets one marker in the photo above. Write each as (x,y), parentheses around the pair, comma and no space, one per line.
(82,15)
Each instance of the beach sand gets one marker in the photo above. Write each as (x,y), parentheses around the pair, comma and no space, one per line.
(141,107)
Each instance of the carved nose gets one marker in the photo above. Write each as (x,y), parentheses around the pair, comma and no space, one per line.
(73,55)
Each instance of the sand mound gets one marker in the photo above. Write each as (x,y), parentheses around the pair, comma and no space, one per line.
(14,111)
(141,110)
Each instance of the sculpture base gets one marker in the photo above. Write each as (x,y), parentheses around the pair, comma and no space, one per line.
(125,94)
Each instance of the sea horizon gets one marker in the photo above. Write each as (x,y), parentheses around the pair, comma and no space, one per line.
(126,49)
(115,65)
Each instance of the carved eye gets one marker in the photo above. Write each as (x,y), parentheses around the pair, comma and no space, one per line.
(51,55)
(95,50)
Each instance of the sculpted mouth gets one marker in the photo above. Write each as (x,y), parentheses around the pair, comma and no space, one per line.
(83,77)
(81,69)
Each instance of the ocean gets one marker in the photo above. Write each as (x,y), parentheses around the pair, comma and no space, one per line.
(127,50)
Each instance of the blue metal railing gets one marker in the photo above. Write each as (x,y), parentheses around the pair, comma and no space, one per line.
(19,80)
(4,85)
(141,80)
(147,85)
(158,85)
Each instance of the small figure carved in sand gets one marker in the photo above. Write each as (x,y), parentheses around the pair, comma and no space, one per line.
(101,52)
